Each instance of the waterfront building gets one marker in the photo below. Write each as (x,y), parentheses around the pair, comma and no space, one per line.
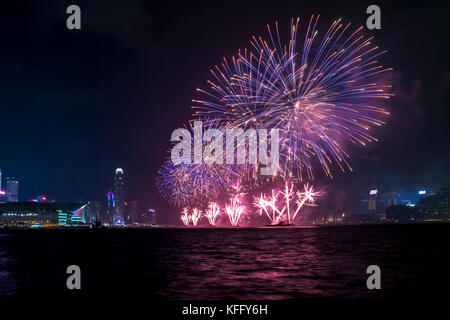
(35,214)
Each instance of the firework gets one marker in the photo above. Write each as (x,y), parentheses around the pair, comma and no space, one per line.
(185,217)
(188,185)
(270,206)
(212,212)
(319,95)
(306,197)
(196,183)
(196,215)
(234,210)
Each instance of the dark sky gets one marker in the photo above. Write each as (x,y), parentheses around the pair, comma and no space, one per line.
(77,104)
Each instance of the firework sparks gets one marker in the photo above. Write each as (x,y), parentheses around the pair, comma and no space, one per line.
(306,197)
(185,217)
(270,205)
(191,184)
(212,212)
(319,95)
(196,215)
(196,183)
(234,210)
(263,205)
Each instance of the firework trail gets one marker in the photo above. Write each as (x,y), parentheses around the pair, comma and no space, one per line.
(196,215)
(288,193)
(319,95)
(212,212)
(185,217)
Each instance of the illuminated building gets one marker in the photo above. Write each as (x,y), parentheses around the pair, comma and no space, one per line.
(119,197)
(110,199)
(436,206)
(153,216)
(378,202)
(3,197)
(391,199)
(373,201)
(12,190)
(432,207)
(148,218)
(32,214)
(133,211)
(110,207)
(421,194)
(93,210)
(119,187)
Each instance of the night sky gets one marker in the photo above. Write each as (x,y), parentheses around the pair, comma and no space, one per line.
(77,104)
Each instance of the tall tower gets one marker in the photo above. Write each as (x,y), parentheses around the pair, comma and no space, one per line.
(12,190)
(0,179)
(119,196)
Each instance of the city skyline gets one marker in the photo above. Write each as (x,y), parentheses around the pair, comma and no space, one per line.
(117,208)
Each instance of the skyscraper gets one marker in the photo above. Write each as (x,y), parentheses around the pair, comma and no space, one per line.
(119,187)
(119,196)
(373,201)
(391,199)
(12,190)
(133,211)
(0,180)
(110,208)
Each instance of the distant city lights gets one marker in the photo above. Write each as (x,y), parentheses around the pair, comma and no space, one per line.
(422,192)
(373,192)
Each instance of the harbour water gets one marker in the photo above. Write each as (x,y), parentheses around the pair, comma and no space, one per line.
(258,263)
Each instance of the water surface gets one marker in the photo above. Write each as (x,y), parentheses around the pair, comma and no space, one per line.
(265,263)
